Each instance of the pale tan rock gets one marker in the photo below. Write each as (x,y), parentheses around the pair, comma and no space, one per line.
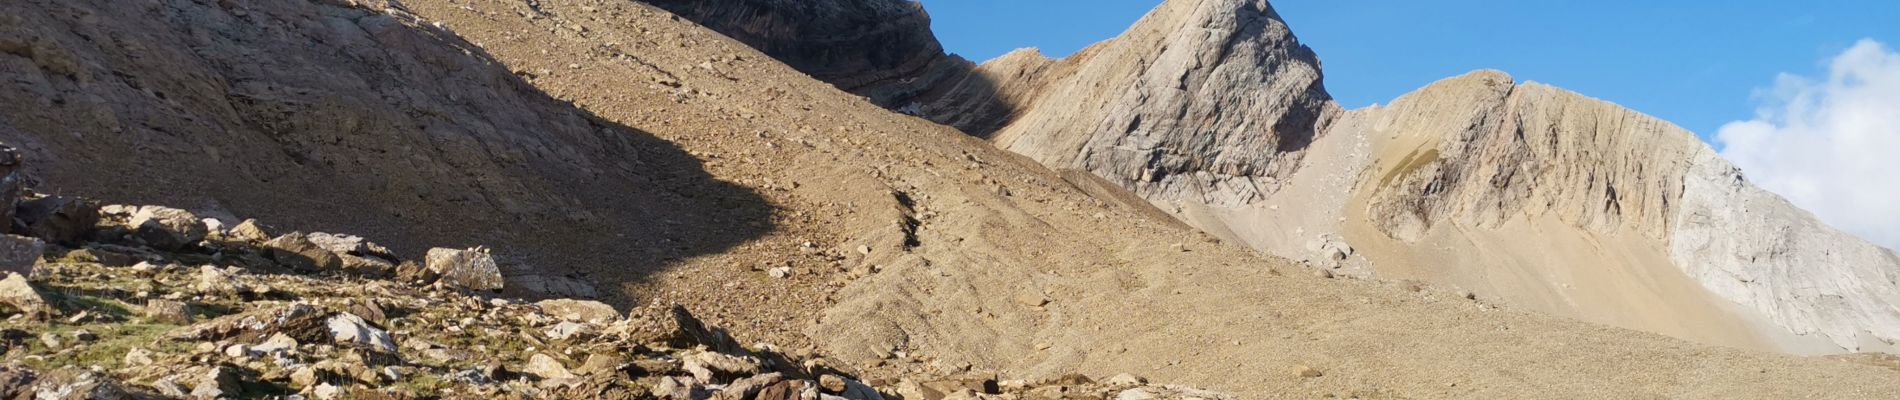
(580,310)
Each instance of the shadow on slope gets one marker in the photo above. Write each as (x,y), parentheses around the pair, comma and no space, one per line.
(883,50)
(323,116)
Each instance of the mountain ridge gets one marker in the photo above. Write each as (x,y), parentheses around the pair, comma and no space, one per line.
(1208,109)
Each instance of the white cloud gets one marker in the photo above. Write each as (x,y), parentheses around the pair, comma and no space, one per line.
(1831,145)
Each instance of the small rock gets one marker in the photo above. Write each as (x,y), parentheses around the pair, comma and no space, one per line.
(547,367)
(169,388)
(580,310)
(1032,299)
(238,351)
(832,384)
(215,383)
(602,363)
(17,293)
(51,341)
(366,308)
(138,356)
(85,335)
(472,269)
(327,391)
(168,311)
(784,390)
(1125,379)
(567,330)
(349,328)
(749,387)
(1307,372)
(214,281)
(18,253)
(98,256)
(278,343)
(681,388)
(249,231)
(707,366)
(305,377)
(301,254)
(779,272)
(167,228)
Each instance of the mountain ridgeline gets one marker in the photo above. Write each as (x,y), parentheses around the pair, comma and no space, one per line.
(1183,202)
(1215,112)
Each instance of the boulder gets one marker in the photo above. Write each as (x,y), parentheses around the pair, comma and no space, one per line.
(472,269)
(748,388)
(18,254)
(17,293)
(580,310)
(215,383)
(568,330)
(350,329)
(138,356)
(249,231)
(783,390)
(366,308)
(302,321)
(168,311)
(360,256)
(552,285)
(546,367)
(12,182)
(100,256)
(683,388)
(217,282)
(167,228)
(602,363)
(278,343)
(297,251)
(57,219)
(710,366)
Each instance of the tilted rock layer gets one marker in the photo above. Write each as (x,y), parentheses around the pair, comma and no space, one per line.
(1213,110)
(1200,101)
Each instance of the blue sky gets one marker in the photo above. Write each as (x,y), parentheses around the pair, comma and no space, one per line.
(1700,64)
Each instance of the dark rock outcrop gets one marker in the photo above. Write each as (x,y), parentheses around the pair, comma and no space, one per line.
(880,49)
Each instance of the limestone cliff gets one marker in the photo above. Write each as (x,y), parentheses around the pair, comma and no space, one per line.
(1208,101)
(1522,191)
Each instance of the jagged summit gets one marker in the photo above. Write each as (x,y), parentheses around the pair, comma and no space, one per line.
(1206,101)
(1213,110)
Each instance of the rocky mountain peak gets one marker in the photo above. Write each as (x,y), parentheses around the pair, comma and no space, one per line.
(1201,100)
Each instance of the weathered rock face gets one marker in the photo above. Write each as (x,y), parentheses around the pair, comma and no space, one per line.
(1208,101)
(1521,191)
(1757,249)
(297,111)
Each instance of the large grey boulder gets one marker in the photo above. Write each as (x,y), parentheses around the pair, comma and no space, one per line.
(167,228)
(57,219)
(472,269)
(18,254)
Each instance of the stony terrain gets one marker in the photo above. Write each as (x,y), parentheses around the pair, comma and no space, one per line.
(766,202)
(121,301)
